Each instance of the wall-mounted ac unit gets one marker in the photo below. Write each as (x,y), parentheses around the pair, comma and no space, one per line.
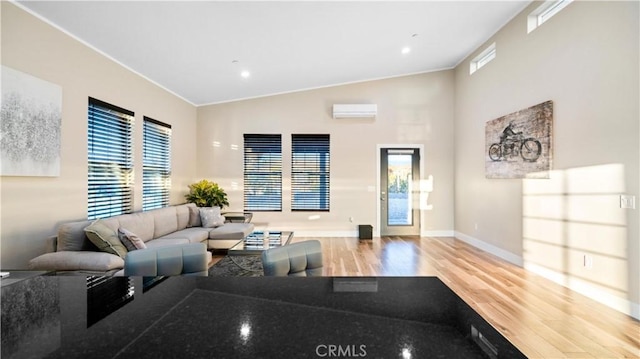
(354,110)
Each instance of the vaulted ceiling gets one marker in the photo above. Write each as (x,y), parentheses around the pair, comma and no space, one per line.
(199,49)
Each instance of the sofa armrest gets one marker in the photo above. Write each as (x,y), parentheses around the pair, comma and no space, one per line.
(76,261)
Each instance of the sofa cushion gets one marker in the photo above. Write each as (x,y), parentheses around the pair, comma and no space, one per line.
(193,235)
(130,240)
(71,237)
(211,217)
(182,211)
(163,242)
(141,223)
(165,221)
(231,231)
(76,260)
(194,216)
(105,238)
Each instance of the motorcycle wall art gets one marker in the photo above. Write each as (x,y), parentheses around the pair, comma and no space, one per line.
(513,144)
(519,145)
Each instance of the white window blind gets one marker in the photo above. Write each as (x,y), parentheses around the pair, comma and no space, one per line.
(310,172)
(110,158)
(262,172)
(156,171)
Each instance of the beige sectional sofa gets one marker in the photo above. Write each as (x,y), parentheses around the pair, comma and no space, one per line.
(74,253)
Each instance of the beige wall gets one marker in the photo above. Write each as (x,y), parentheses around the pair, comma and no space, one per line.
(411,110)
(585,59)
(33,206)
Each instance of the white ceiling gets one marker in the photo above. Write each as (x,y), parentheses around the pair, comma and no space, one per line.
(189,47)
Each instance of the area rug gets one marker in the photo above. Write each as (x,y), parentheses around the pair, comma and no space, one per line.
(237,266)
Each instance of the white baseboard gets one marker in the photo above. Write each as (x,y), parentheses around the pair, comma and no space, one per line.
(490,248)
(620,304)
(312,233)
(434,233)
(438,233)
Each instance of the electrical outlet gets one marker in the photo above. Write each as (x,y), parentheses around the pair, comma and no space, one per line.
(588,261)
(475,226)
(351,219)
(627,201)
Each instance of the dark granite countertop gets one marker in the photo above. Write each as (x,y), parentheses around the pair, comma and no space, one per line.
(208,317)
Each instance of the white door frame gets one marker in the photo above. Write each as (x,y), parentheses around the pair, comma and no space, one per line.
(420,147)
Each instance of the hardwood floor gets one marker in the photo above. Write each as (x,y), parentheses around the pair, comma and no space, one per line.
(541,318)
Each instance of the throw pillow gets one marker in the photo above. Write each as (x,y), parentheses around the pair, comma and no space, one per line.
(211,217)
(130,240)
(194,217)
(105,238)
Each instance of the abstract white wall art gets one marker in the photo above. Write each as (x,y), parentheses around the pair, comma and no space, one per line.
(30,126)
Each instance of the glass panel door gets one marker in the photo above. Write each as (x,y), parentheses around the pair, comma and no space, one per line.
(399,176)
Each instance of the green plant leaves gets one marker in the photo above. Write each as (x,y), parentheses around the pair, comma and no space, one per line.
(206,193)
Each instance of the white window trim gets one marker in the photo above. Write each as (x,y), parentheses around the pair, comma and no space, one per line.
(545,12)
(483,58)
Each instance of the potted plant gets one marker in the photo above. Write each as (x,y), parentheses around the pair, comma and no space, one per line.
(207,194)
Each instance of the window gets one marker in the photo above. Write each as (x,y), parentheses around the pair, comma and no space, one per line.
(483,58)
(310,157)
(545,12)
(156,162)
(262,172)
(110,159)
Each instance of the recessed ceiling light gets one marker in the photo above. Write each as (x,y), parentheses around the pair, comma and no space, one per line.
(245,74)
(406,50)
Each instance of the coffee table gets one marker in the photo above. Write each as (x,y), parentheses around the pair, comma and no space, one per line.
(256,243)
(238,217)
